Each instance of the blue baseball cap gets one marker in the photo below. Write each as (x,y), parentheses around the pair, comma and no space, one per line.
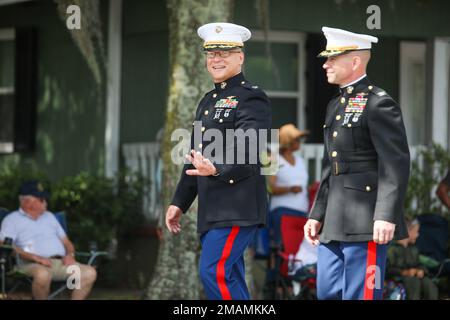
(33,188)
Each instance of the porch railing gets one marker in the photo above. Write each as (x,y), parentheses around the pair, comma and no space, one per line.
(145,158)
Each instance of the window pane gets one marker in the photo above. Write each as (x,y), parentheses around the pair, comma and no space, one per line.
(412,90)
(284,110)
(417,85)
(7,117)
(280,73)
(6,63)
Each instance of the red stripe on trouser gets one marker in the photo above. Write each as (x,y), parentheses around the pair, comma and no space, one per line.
(221,265)
(369,280)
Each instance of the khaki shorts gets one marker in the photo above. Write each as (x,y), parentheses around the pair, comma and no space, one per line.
(58,270)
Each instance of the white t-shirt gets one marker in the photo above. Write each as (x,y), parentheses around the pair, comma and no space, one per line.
(41,236)
(292,175)
(306,255)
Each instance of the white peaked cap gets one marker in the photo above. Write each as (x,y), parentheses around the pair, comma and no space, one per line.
(223,35)
(341,41)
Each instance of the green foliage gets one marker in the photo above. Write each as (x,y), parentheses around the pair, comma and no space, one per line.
(132,188)
(89,39)
(90,205)
(425,176)
(97,208)
(12,176)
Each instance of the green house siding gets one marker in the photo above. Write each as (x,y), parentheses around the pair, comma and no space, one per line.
(144,70)
(401,18)
(383,69)
(70,114)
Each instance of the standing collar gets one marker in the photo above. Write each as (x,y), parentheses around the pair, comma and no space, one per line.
(231,82)
(355,86)
(353,82)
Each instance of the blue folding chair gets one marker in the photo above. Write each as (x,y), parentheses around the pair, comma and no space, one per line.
(433,244)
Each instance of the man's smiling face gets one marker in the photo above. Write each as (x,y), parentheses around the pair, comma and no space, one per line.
(223,65)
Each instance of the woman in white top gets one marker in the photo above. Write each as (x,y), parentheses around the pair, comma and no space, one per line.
(289,187)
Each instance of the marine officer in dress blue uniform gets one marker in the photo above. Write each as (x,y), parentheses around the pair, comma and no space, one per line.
(232,197)
(359,205)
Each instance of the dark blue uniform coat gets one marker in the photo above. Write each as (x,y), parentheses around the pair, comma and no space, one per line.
(365,167)
(237,196)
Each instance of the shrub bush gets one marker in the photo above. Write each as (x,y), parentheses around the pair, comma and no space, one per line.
(12,176)
(425,176)
(97,208)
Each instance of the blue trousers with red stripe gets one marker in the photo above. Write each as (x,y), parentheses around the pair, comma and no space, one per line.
(222,269)
(351,270)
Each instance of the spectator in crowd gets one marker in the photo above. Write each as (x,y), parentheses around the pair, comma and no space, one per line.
(443,190)
(403,262)
(45,252)
(289,185)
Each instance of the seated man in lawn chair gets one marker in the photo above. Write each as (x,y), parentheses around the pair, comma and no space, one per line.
(404,265)
(44,251)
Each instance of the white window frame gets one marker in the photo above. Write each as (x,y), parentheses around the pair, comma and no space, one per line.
(114,88)
(448,95)
(410,52)
(7,35)
(8,2)
(440,86)
(298,38)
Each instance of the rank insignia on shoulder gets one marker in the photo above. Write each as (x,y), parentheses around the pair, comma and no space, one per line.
(228,103)
(382,93)
(356,104)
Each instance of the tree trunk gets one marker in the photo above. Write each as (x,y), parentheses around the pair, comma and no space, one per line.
(176,271)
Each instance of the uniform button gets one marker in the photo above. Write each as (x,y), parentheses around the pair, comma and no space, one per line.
(370,87)
(368,188)
(220,120)
(338,117)
(324,126)
(231,181)
(203,129)
(193,123)
(206,112)
(200,145)
(243,82)
(349,125)
(342,100)
(214,95)
(335,134)
(334,154)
